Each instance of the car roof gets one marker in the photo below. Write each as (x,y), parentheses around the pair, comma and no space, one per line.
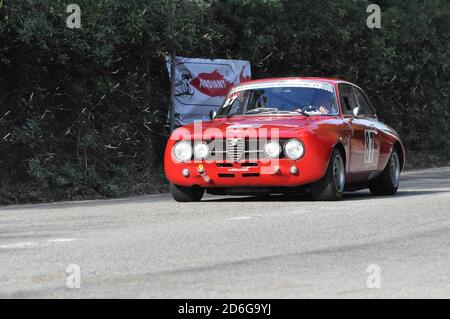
(332,81)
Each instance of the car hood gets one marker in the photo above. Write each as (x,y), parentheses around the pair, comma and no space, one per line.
(253,125)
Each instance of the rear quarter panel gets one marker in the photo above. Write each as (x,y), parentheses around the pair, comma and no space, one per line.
(388,138)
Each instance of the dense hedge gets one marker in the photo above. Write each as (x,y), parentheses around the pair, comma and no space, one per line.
(87,108)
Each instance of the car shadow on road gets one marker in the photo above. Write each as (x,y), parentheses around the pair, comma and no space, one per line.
(348,196)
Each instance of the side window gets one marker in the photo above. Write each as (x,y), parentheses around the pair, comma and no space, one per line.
(364,104)
(347,98)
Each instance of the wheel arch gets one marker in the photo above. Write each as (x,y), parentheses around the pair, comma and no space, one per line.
(340,146)
(401,152)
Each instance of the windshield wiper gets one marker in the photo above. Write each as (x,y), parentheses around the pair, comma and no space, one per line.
(302,112)
(262,110)
(292,112)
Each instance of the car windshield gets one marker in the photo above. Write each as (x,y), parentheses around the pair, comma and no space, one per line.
(308,101)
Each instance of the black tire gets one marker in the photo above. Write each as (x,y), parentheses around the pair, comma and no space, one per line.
(331,186)
(186,194)
(387,183)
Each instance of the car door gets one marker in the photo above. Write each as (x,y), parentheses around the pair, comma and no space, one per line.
(360,140)
(371,133)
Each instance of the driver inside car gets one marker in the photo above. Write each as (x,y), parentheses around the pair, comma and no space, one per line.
(322,102)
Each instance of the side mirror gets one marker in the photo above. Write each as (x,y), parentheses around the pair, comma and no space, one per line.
(356,111)
(212,115)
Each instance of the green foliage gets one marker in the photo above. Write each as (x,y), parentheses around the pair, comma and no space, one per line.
(88,107)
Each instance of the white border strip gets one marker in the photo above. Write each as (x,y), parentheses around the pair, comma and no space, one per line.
(288,83)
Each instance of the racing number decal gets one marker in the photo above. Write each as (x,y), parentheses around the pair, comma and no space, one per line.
(369,149)
(230,100)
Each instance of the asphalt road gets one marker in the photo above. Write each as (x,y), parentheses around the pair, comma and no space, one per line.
(225,247)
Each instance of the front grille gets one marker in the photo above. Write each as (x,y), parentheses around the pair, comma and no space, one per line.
(236,149)
(249,165)
(224,165)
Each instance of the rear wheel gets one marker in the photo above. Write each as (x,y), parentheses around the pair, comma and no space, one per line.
(186,194)
(331,186)
(387,183)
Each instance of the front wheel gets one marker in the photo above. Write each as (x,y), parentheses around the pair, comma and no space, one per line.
(331,186)
(186,194)
(387,183)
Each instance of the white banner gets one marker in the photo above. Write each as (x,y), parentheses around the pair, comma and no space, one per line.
(202,84)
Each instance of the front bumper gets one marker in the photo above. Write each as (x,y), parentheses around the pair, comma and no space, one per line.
(258,173)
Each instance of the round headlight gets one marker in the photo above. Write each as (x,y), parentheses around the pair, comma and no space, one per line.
(294,149)
(272,149)
(201,150)
(183,151)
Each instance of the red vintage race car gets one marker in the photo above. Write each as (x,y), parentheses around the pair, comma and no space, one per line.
(317,136)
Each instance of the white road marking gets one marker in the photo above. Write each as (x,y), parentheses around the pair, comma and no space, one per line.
(240,218)
(269,215)
(35,244)
(61,240)
(18,245)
